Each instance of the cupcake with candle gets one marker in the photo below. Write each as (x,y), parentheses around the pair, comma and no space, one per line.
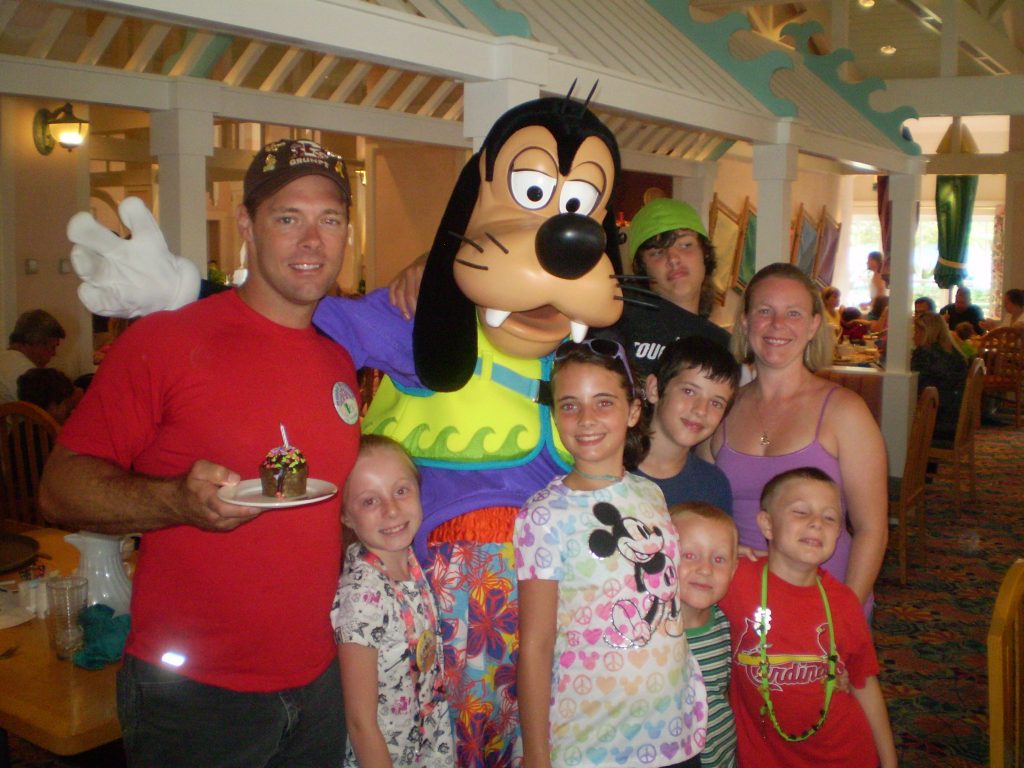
(283,471)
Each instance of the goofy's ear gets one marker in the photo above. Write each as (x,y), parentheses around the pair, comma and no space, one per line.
(444,330)
(611,238)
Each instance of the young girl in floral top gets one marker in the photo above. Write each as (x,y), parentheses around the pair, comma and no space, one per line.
(605,676)
(386,621)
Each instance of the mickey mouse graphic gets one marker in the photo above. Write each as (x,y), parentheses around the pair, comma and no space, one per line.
(635,620)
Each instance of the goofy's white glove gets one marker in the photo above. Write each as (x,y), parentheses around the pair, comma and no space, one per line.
(129,278)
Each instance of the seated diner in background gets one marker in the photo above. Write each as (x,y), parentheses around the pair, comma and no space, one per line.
(854,326)
(830,297)
(1013,312)
(961,310)
(788,417)
(51,390)
(878,314)
(32,344)
(940,363)
(923,304)
(963,336)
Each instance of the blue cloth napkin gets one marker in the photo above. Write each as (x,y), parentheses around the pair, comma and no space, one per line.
(104,637)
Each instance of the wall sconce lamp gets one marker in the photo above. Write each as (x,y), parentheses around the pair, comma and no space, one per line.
(60,126)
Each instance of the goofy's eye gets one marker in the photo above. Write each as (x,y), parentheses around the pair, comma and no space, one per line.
(578,197)
(531,189)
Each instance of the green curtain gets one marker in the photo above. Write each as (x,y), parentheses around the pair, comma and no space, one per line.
(954,204)
(748,259)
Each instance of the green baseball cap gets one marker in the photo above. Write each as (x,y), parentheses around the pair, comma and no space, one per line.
(662,215)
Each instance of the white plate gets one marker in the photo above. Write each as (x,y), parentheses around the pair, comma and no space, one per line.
(11,613)
(249,493)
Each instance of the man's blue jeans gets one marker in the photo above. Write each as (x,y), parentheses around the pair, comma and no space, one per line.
(168,720)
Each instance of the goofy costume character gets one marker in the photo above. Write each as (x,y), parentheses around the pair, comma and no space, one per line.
(525,256)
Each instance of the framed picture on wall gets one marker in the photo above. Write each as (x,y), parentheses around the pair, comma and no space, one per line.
(828,244)
(746,264)
(725,234)
(805,242)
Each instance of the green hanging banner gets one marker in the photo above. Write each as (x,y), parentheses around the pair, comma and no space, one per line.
(954,206)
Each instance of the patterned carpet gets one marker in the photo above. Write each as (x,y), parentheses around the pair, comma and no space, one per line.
(930,634)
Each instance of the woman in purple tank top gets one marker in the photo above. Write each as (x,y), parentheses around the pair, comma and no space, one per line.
(787,418)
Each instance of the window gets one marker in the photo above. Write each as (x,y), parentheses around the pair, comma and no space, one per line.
(865,236)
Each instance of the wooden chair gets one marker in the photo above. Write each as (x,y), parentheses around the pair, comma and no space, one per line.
(907,492)
(27,435)
(1003,352)
(961,448)
(1006,672)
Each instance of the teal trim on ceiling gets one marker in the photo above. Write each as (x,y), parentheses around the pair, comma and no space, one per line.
(204,64)
(713,38)
(499,21)
(857,95)
(720,150)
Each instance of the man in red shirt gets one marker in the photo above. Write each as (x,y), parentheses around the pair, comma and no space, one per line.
(231,659)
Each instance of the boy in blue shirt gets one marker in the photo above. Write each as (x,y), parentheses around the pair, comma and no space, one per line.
(688,397)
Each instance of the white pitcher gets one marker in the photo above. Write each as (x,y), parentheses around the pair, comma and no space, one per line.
(101,564)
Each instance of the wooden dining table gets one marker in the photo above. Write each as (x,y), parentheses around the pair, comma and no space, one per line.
(51,703)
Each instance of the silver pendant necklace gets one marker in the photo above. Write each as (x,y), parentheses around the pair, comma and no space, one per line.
(760,420)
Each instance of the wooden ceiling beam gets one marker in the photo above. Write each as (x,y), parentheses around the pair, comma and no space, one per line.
(975,29)
(192,53)
(100,40)
(323,68)
(55,22)
(147,49)
(243,66)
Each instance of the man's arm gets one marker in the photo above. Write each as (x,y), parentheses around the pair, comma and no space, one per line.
(79,491)
(873,703)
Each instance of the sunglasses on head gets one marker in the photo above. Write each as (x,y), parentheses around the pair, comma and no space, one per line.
(606,348)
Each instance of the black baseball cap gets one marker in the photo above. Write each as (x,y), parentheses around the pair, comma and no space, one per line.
(282,162)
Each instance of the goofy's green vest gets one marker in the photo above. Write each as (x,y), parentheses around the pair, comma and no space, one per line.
(495,421)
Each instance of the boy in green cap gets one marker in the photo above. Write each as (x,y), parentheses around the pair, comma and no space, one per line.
(668,242)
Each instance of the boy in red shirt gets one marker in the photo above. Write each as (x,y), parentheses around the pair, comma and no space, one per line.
(795,629)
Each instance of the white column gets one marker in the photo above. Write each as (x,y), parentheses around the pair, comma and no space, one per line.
(949,39)
(1013,234)
(899,388)
(697,190)
(182,139)
(775,168)
(485,102)
(516,69)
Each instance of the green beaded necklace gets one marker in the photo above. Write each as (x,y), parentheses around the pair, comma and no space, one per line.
(589,476)
(762,625)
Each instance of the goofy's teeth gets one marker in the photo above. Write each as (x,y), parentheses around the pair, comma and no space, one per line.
(578,331)
(495,317)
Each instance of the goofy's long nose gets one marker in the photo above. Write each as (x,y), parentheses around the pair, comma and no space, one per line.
(569,245)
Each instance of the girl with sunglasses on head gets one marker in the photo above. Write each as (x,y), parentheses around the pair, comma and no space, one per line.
(605,674)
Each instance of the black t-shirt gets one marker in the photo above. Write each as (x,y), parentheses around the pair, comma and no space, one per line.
(646,331)
(970,315)
(947,372)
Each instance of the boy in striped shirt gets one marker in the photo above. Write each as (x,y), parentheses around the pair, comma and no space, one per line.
(707,561)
